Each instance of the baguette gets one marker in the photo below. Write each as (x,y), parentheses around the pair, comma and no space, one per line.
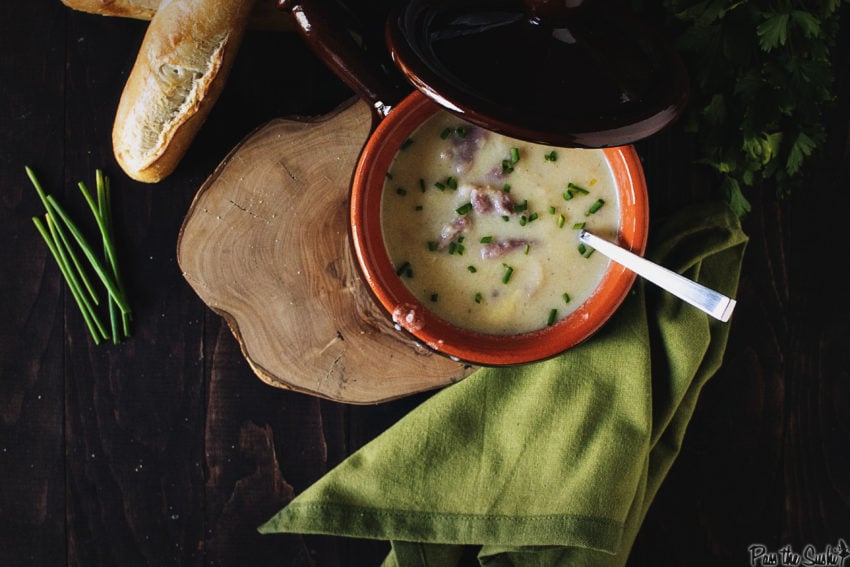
(180,70)
(265,15)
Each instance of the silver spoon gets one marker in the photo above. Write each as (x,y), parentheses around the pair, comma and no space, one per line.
(715,304)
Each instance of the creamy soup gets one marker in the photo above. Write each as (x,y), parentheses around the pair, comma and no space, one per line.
(483,228)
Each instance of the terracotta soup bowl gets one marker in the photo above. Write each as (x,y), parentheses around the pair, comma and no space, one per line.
(494,277)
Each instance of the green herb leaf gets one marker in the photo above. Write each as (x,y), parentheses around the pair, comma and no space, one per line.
(802,148)
(763,77)
(773,32)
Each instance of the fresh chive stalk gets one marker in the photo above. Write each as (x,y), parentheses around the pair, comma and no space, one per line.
(66,243)
(82,300)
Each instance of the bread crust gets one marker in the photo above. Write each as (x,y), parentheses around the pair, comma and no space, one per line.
(180,71)
(264,16)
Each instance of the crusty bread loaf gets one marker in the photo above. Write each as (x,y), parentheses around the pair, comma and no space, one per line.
(181,68)
(265,15)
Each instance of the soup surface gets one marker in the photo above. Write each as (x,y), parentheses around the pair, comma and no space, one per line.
(483,228)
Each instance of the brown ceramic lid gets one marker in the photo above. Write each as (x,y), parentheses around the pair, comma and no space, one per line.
(565,73)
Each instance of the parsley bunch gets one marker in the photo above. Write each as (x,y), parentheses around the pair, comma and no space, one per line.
(761,77)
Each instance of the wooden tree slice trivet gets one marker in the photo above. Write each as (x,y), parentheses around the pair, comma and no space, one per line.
(265,244)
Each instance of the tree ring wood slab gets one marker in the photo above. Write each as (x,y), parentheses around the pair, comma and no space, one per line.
(265,244)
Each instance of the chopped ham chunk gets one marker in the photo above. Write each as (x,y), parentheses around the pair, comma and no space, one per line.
(452,230)
(500,247)
(487,199)
(462,149)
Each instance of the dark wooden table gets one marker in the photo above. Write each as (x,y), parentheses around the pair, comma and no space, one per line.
(167,449)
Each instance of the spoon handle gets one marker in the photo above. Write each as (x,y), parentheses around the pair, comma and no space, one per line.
(715,304)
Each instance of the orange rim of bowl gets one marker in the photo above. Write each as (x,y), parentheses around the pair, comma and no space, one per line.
(446,338)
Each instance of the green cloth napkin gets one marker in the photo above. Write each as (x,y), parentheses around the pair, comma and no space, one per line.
(551,463)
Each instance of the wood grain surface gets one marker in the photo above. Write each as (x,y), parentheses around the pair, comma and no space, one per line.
(168,449)
(266,245)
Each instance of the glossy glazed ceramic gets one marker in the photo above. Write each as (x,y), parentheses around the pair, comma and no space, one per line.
(570,74)
(473,347)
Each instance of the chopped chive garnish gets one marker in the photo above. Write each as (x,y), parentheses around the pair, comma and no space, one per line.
(464,209)
(552,210)
(389,175)
(486,239)
(432,245)
(451,182)
(461,239)
(582,249)
(589,252)
(406,144)
(595,207)
(445,133)
(527,249)
(506,218)
(401,191)
(523,221)
(521,207)
(561,220)
(404,270)
(509,271)
(422,184)
(460,131)
(452,247)
(506,166)
(418,208)
(566,297)
(440,186)
(506,188)
(551,156)
(478,297)
(514,155)
(577,188)
(472,269)
(434,297)
(460,249)
(533,217)
(568,195)
(578,226)
(553,314)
